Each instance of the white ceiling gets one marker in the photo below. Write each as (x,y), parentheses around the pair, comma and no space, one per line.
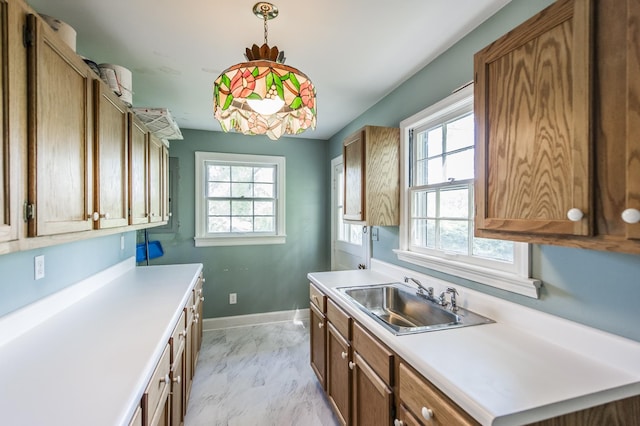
(355,51)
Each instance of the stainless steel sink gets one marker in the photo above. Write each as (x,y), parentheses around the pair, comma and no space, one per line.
(401,310)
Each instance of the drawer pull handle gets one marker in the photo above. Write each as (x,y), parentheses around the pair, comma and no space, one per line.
(320,324)
(397,422)
(166,380)
(344,355)
(177,380)
(351,365)
(427,413)
(575,215)
(631,216)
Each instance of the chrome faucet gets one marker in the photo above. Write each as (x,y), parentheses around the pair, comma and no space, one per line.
(426,292)
(443,299)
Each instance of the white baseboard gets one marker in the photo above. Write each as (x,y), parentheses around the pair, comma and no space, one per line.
(254,319)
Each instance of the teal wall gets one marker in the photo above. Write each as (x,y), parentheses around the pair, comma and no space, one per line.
(65,264)
(599,289)
(266,278)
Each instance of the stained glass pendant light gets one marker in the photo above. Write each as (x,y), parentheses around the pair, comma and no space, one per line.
(263,95)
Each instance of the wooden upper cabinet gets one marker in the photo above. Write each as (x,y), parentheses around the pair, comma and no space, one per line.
(155,179)
(60,181)
(164,194)
(111,158)
(8,222)
(632,184)
(138,175)
(372,176)
(617,123)
(533,125)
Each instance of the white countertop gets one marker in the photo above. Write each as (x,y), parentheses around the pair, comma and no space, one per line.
(90,362)
(528,366)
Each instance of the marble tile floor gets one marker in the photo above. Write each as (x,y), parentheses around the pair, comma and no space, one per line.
(257,375)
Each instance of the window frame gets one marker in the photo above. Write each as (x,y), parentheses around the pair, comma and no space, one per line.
(510,277)
(205,239)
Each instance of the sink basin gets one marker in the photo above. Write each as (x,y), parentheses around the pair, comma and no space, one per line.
(401,310)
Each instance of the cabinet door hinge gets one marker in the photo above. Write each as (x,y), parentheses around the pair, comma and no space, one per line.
(29,211)
(28,36)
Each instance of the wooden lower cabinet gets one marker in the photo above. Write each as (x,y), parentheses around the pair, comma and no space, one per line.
(339,374)
(155,401)
(372,398)
(427,403)
(317,350)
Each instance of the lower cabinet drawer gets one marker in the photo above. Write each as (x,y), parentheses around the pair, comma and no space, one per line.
(178,337)
(155,396)
(427,403)
(377,356)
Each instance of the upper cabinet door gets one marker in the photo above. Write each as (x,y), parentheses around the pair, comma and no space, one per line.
(155,179)
(138,175)
(7,227)
(632,205)
(533,125)
(111,158)
(60,187)
(353,158)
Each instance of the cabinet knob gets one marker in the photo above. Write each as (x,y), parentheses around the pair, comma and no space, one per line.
(183,334)
(427,413)
(95,216)
(631,216)
(166,380)
(575,215)
(397,422)
(320,324)
(177,380)
(351,365)
(202,298)
(344,355)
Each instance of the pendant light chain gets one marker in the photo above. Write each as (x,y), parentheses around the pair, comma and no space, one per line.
(265,10)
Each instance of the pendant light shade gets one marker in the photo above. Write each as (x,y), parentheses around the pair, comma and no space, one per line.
(263,96)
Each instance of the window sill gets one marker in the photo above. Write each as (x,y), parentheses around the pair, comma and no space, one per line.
(239,241)
(502,280)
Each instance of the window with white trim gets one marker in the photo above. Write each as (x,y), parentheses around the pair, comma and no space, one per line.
(436,229)
(239,199)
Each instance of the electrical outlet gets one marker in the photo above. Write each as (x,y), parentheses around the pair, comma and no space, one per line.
(38,267)
(233,298)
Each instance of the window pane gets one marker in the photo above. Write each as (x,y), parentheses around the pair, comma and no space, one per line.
(434,171)
(218,173)
(419,204)
(454,236)
(420,173)
(218,189)
(460,165)
(493,249)
(263,190)
(424,233)
(263,174)
(434,145)
(242,174)
(421,146)
(219,224)
(241,208)
(264,224)
(263,208)
(239,190)
(356,234)
(431,204)
(242,224)
(454,203)
(219,208)
(460,133)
